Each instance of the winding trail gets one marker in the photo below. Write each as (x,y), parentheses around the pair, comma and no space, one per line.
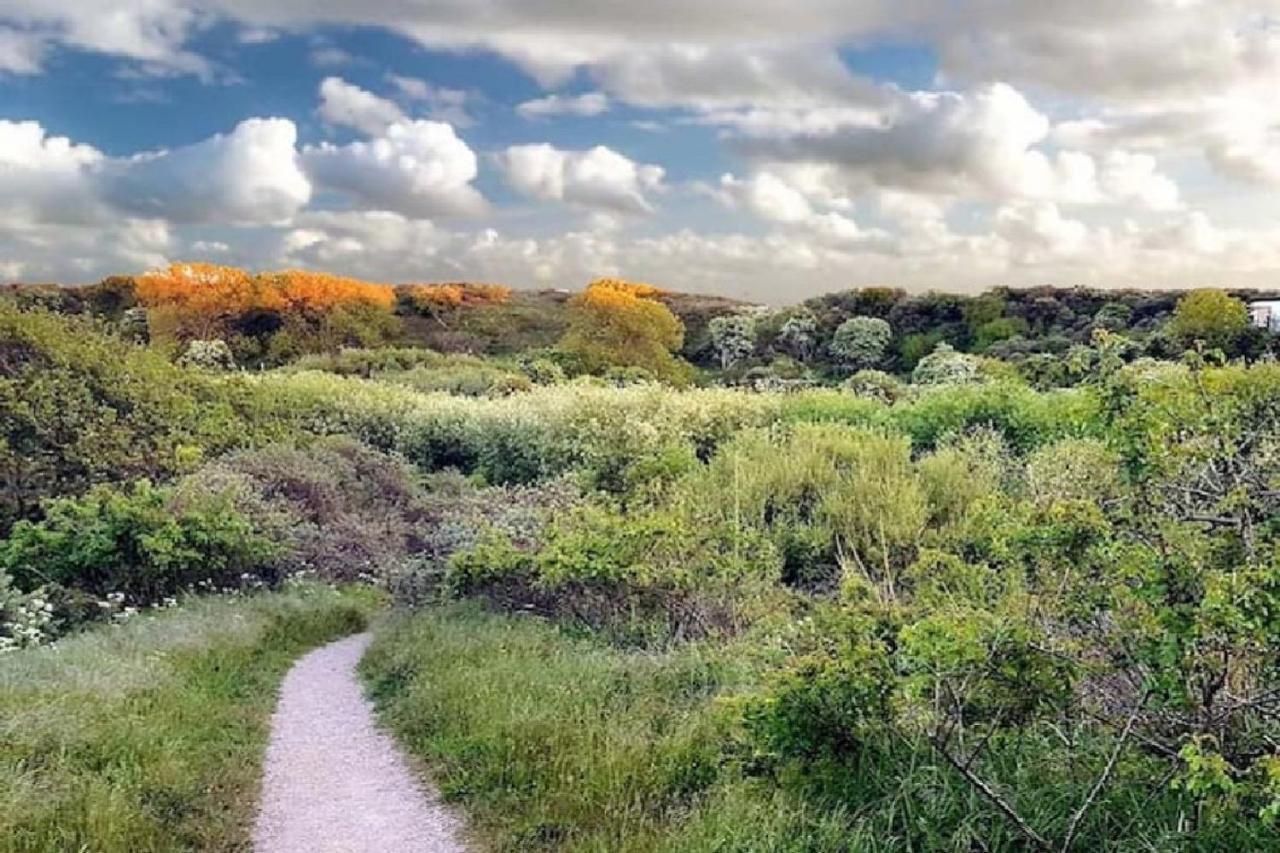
(333,781)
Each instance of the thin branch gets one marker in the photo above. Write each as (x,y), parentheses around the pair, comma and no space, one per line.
(1074,826)
(1036,839)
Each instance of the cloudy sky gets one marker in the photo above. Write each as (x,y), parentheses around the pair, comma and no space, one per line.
(758,148)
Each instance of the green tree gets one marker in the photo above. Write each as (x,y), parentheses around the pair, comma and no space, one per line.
(734,338)
(945,366)
(1210,316)
(861,342)
(798,335)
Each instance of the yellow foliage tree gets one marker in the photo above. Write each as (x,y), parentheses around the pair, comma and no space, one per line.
(615,323)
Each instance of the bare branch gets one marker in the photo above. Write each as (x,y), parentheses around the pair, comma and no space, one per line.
(1037,840)
(1074,826)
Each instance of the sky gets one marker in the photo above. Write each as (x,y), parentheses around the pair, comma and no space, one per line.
(764,149)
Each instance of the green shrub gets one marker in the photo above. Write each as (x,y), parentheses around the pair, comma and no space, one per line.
(131,542)
(875,385)
(80,407)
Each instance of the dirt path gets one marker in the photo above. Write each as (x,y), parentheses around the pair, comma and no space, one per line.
(334,782)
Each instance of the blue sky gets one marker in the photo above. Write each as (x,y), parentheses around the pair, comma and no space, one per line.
(747,147)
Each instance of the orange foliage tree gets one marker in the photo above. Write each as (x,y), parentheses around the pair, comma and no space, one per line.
(189,301)
(301,290)
(615,323)
(436,299)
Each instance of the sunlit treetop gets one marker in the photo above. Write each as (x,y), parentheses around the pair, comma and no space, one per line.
(635,289)
(206,289)
(427,297)
(304,290)
(212,289)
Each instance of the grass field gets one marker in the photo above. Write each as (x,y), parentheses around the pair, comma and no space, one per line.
(149,736)
(552,742)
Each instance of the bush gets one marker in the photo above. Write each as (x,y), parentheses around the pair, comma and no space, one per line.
(208,355)
(875,385)
(131,542)
(652,576)
(79,407)
(335,509)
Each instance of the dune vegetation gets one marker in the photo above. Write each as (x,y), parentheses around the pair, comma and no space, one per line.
(877,572)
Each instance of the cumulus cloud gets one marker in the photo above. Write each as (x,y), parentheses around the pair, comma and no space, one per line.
(988,143)
(418,168)
(598,178)
(587,104)
(250,175)
(43,178)
(344,104)
(767,196)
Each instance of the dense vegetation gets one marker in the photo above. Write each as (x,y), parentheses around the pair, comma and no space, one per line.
(876,572)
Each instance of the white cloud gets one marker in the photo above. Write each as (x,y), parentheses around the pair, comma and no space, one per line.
(768,196)
(418,168)
(596,178)
(986,143)
(250,175)
(587,104)
(151,32)
(43,178)
(347,105)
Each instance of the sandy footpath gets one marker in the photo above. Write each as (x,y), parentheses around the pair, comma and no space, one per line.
(333,781)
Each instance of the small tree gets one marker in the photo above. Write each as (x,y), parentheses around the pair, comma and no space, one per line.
(861,342)
(945,366)
(798,335)
(1210,316)
(620,324)
(734,337)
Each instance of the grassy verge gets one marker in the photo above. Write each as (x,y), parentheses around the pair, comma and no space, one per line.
(551,742)
(149,736)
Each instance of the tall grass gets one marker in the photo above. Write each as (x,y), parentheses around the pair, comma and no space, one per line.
(148,736)
(552,741)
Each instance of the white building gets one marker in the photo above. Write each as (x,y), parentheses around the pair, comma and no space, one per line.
(1266,314)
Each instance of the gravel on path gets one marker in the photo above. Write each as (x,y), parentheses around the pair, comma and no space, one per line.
(333,782)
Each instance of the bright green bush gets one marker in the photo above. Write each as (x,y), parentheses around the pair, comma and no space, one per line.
(131,542)
(603,432)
